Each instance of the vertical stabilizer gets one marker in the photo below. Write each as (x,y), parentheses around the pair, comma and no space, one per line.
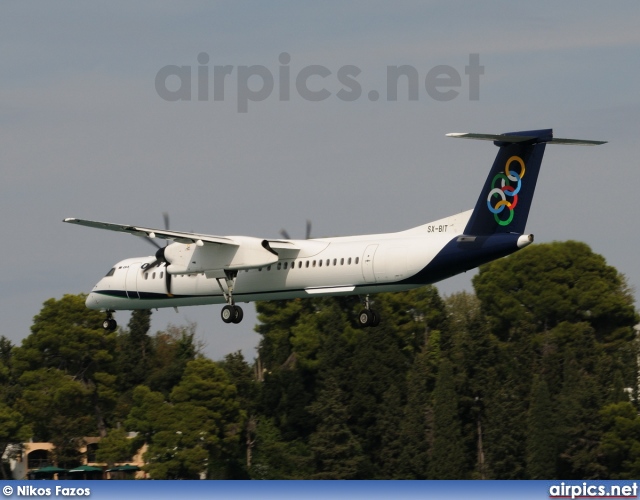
(505,200)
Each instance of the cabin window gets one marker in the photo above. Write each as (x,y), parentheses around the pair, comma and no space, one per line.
(328,262)
(153,276)
(342,262)
(161,275)
(279,266)
(268,268)
(320,263)
(349,261)
(146,275)
(314,263)
(307,265)
(357,260)
(111,271)
(335,262)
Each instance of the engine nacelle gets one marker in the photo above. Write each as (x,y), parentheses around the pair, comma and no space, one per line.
(244,253)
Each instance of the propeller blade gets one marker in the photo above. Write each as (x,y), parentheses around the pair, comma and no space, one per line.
(146,267)
(154,243)
(284,234)
(308,233)
(165,216)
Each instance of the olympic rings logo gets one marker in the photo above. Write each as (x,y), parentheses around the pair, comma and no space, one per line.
(510,184)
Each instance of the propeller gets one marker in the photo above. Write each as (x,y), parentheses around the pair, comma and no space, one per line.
(160,258)
(285,234)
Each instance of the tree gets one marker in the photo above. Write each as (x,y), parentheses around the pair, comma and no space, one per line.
(243,377)
(337,451)
(579,428)
(173,348)
(541,440)
(13,430)
(66,337)
(58,409)
(190,435)
(620,443)
(115,447)
(135,351)
(447,454)
(416,428)
(547,284)
(275,458)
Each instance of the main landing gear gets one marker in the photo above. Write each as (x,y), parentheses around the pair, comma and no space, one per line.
(231,313)
(109,324)
(368,317)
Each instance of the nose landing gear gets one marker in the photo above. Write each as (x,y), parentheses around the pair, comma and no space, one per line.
(109,324)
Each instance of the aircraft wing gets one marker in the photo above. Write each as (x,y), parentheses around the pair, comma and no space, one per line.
(205,253)
(164,234)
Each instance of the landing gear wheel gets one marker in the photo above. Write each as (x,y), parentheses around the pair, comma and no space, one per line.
(228,313)
(368,317)
(376,318)
(109,324)
(239,314)
(365,318)
(232,314)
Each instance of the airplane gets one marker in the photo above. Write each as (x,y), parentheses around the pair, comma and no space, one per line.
(199,269)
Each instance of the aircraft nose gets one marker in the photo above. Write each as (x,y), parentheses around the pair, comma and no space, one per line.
(92,301)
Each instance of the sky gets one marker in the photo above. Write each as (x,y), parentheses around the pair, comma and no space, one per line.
(243,118)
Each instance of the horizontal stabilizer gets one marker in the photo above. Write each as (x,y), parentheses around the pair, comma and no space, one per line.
(492,137)
(524,137)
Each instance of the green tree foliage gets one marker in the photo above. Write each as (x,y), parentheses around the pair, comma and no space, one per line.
(447,453)
(63,374)
(13,431)
(541,439)
(245,379)
(135,352)
(533,376)
(337,452)
(66,336)
(620,443)
(59,410)
(275,458)
(544,285)
(192,433)
(115,447)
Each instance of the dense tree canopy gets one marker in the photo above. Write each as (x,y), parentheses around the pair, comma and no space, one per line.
(532,376)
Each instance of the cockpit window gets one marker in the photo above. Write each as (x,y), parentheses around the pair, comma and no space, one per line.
(110,273)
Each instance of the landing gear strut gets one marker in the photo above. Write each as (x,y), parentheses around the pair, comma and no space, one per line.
(109,324)
(368,317)
(231,313)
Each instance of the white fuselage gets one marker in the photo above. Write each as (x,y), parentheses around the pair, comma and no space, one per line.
(325,266)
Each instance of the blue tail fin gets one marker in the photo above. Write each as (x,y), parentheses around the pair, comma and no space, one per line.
(505,200)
